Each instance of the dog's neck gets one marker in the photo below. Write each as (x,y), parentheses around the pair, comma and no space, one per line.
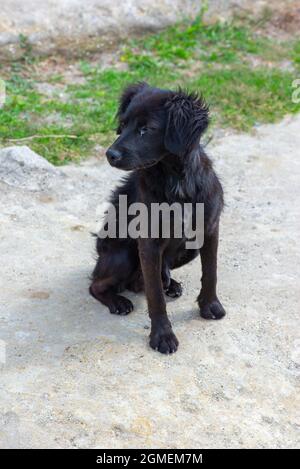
(172,164)
(182,174)
(181,178)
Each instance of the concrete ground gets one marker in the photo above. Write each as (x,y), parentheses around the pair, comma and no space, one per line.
(72,375)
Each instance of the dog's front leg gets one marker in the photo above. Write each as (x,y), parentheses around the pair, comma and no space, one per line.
(162,338)
(210,306)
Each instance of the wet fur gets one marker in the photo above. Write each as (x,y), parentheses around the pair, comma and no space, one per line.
(168,164)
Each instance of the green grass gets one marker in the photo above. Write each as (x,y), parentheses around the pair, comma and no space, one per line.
(214,59)
(243,98)
(224,43)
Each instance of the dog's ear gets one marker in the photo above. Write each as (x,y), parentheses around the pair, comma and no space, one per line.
(187,119)
(128,94)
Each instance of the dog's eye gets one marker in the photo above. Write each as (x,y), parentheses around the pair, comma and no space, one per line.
(142,130)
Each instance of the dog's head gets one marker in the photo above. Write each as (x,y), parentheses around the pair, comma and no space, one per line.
(153,123)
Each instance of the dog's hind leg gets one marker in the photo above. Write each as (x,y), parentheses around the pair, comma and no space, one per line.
(183,257)
(116,263)
(136,282)
(170,286)
(103,291)
(174,289)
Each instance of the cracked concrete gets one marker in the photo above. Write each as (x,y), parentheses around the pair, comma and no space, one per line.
(72,375)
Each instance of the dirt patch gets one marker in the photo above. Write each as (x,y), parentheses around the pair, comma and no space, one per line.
(281,20)
(288,21)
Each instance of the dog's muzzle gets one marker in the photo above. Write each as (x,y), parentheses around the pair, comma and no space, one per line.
(113,156)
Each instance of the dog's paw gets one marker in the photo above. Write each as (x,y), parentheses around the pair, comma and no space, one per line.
(174,290)
(212,310)
(163,339)
(121,306)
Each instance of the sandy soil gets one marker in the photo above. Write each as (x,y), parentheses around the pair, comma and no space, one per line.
(72,375)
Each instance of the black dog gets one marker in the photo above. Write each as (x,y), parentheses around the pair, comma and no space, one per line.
(159,133)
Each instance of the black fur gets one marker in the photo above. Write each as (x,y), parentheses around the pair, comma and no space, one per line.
(159,140)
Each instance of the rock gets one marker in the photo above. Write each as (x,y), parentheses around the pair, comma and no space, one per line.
(21,167)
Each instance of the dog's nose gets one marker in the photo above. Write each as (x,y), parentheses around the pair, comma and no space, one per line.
(113,155)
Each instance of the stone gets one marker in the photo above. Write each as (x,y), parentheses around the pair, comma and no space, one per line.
(21,167)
